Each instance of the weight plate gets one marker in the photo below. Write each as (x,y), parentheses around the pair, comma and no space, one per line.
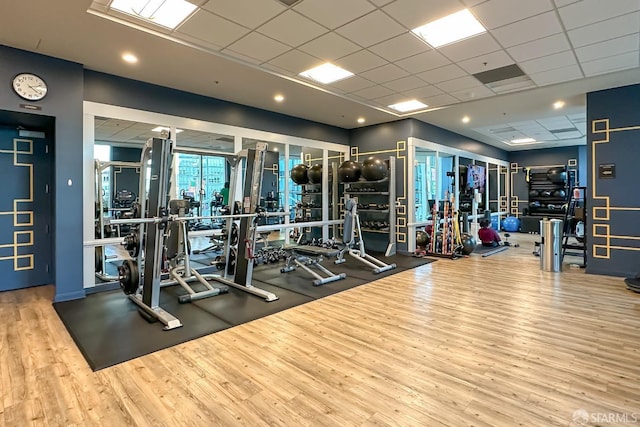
(129,276)
(132,244)
(231,261)
(98,259)
(234,234)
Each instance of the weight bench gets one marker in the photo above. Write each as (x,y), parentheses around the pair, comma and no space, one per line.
(306,257)
(356,249)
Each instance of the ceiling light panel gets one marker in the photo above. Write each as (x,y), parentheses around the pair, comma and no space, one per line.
(450,29)
(326,73)
(406,106)
(167,13)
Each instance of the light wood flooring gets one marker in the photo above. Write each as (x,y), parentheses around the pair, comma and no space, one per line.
(478,341)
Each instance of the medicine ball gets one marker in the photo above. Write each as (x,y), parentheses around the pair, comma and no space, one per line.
(468,243)
(374,169)
(511,224)
(349,171)
(422,239)
(299,174)
(557,175)
(314,173)
(534,193)
(545,193)
(535,204)
(559,193)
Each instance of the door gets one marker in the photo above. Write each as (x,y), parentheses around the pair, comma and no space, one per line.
(25,211)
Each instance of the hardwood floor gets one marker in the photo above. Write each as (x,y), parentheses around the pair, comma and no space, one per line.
(478,341)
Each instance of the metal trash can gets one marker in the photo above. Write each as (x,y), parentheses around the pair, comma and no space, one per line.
(551,245)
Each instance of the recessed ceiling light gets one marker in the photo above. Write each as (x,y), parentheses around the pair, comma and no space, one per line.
(522,141)
(466,119)
(275,149)
(326,73)
(130,58)
(361,120)
(278,98)
(452,28)
(558,104)
(161,128)
(167,13)
(412,105)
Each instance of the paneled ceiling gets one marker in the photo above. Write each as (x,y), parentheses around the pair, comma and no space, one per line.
(246,51)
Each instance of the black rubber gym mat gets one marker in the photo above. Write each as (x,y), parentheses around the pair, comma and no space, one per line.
(357,269)
(108,329)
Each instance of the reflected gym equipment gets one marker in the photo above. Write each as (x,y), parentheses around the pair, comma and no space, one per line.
(314,174)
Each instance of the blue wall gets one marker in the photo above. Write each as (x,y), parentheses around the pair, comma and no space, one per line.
(615,202)
(64,103)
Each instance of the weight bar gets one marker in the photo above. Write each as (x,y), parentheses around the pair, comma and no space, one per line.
(157,220)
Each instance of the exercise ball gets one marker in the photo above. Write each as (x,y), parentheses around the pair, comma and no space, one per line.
(511,224)
(468,243)
(349,171)
(534,193)
(299,174)
(422,239)
(374,169)
(557,175)
(495,223)
(559,194)
(314,173)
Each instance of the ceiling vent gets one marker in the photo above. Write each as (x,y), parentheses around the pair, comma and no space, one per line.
(563,130)
(505,79)
(502,130)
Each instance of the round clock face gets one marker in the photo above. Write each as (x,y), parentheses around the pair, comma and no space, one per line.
(29,86)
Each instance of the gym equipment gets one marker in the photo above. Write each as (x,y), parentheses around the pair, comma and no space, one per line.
(314,174)
(511,224)
(356,248)
(349,171)
(154,229)
(534,193)
(374,169)
(422,239)
(445,239)
(557,175)
(309,256)
(545,193)
(468,243)
(560,194)
(299,174)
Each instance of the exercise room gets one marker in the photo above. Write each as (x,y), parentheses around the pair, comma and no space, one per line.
(201,227)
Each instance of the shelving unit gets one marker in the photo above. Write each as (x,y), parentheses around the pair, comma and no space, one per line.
(576,212)
(547,199)
(378,194)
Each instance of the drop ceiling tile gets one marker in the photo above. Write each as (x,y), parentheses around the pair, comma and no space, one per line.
(471,3)
(556,76)
(373,92)
(613,63)
(589,11)
(324,11)
(562,3)
(472,93)
(533,28)
(400,47)
(442,74)
(380,3)
(292,29)
(423,62)
(486,62)
(423,92)
(212,29)
(353,84)
(539,48)
(440,100)
(385,101)
(329,47)
(242,56)
(360,61)
(550,62)
(404,84)
(605,30)
(295,61)
(555,123)
(496,13)
(470,48)
(361,30)
(414,13)
(249,13)
(257,46)
(383,74)
(608,48)
(458,84)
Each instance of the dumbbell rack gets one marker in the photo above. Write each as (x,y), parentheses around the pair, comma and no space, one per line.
(377,207)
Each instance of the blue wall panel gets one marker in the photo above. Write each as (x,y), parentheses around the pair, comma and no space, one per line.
(613,122)
(64,103)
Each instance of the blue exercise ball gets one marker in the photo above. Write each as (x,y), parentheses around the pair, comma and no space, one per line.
(511,224)
(496,223)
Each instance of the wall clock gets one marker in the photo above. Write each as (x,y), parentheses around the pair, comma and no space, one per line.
(29,86)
